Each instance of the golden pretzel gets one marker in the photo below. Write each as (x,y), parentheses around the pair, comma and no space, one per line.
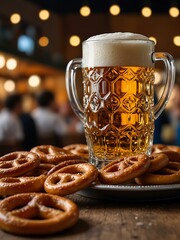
(78,149)
(167,175)
(161,148)
(64,164)
(124,169)
(37,214)
(17,163)
(158,161)
(70,179)
(53,155)
(14,185)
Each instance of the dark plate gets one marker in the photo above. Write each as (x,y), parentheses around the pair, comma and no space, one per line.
(132,192)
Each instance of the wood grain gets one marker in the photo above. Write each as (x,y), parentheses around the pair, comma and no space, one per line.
(107,220)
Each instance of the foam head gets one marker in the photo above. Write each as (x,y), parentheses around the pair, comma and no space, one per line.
(118,49)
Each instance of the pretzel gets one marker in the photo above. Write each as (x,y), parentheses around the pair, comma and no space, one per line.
(78,149)
(64,164)
(158,161)
(43,168)
(70,179)
(167,175)
(124,169)
(17,163)
(37,214)
(14,185)
(161,148)
(53,155)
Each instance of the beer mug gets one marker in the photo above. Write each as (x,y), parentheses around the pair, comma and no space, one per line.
(118,109)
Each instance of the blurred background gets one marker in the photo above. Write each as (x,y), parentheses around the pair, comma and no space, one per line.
(39,37)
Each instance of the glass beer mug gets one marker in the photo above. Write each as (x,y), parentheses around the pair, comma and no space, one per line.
(118,109)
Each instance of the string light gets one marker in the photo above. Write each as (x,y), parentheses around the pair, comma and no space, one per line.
(146,11)
(2,61)
(11,63)
(153,39)
(43,41)
(44,14)
(15,18)
(34,81)
(85,11)
(114,9)
(9,85)
(174,12)
(74,40)
(176,41)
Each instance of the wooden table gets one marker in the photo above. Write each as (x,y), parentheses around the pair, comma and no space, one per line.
(109,220)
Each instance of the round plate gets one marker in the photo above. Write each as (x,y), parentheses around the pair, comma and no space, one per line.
(132,192)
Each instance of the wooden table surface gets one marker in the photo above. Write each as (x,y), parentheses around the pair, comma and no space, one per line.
(109,220)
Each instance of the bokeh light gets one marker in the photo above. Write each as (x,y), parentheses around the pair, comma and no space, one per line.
(9,85)
(43,41)
(85,11)
(176,41)
(34,81)
(146,11)
(74,40)
(2,61)
(174,12)
(11,63)
(114,9)
(44,14)
(153,39)
(15,18)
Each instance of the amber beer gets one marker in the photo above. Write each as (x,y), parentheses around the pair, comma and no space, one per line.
(118,109)
(118,79)
(118,112)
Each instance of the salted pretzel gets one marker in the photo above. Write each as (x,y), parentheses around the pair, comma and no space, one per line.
(37,214)
(70,178)
(158,161)
(167,175)
(17,163)
(53,155)
(78,149)
(24,184)
(43,168)
(64,164)
(124,169)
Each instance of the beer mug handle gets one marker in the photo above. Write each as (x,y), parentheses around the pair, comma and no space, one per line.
(72,66)
(169,83)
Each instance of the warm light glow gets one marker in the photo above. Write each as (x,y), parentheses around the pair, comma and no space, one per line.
(15,18)
(114,9)
(153,39)
(2,61)
(176,40)
(174,12)
(11,63)
(44,14)
(34,81)
(85,11)
(146,11)
(74,40)
(9,85)
(43,41)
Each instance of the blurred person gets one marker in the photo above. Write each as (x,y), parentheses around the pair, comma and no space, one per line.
(50,124)
(175,112)
(161,123)
(11,131)
(29,131)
